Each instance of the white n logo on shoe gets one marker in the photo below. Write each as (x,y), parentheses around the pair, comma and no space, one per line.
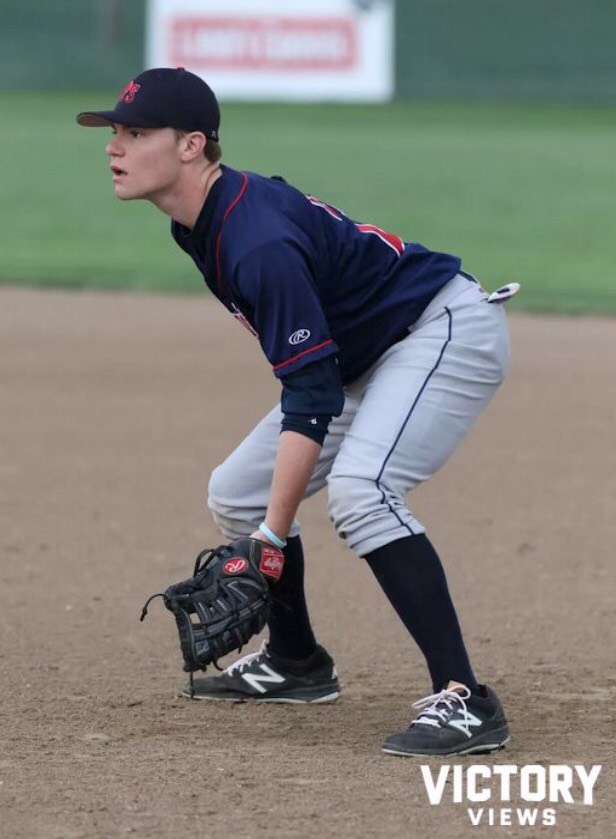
(258,680)
(465,721)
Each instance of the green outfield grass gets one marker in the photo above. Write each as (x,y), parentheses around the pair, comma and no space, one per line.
(523,193)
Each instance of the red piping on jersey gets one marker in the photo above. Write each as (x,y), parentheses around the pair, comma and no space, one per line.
(305,352)
(219,279)
(394,242)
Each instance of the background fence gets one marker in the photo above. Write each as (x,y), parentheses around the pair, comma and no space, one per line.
(528,49)
(558,50)
(69,44)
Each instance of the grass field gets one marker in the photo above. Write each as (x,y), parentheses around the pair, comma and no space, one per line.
(521,193)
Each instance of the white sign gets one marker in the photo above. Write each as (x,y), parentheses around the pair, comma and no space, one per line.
(307,50)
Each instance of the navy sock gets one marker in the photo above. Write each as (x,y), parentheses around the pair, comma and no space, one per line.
(290,632)
(410,573)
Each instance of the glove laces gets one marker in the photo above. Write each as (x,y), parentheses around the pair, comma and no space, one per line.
(200,564)
(144,611)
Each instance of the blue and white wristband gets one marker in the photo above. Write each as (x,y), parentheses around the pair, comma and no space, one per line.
(279,543)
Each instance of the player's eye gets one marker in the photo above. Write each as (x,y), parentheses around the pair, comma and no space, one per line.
(135,133)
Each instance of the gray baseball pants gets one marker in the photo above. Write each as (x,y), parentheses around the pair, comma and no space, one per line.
(402,420)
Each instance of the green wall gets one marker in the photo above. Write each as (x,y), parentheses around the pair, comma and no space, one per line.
(55,44)
(558,50)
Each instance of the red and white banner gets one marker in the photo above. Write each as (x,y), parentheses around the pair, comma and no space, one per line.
(278,49)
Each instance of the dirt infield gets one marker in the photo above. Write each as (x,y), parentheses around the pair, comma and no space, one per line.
(114,409)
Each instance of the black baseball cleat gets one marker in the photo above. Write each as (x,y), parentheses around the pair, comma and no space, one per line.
(261,677)
(453,722)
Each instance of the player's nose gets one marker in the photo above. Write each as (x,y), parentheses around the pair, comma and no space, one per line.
(114,147)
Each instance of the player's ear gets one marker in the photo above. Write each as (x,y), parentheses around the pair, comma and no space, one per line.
(192,144)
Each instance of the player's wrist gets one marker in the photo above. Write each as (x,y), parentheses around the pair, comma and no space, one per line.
(271,537)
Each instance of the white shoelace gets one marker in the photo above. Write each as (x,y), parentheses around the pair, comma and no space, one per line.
(432,714)
(245,660)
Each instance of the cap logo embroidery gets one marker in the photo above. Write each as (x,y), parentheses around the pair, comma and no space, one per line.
(129,92)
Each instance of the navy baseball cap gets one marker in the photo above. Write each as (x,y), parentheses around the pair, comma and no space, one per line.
(162,98)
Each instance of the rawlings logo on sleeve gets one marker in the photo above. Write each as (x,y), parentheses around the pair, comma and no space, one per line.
(299,336)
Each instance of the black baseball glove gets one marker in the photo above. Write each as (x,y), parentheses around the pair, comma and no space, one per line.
(225,602)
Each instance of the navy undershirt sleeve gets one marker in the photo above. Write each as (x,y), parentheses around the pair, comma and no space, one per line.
(311,396)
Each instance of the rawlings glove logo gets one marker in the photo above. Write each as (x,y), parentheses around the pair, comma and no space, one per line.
(272,563)
(235,566)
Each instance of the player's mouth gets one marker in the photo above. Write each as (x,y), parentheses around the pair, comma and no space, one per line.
(117,172)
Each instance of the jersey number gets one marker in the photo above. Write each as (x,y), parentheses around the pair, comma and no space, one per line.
(390,239)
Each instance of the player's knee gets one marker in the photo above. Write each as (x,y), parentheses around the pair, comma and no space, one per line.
(233,516)
(221,501)
(351,500)
(218,490)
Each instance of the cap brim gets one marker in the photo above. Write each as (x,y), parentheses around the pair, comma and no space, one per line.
(101,119)
(96,119)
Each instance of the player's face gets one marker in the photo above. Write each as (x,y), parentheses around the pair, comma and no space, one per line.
(144,162)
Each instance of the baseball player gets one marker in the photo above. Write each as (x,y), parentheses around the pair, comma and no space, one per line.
(386,353)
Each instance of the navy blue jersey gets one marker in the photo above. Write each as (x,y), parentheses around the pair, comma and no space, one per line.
(307,280)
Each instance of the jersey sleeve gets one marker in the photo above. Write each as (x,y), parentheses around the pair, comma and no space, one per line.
(276,293)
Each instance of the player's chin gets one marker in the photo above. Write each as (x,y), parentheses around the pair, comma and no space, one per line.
(123,193)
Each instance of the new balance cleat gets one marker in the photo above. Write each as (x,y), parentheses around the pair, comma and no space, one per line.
(261,677)
(453,722)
